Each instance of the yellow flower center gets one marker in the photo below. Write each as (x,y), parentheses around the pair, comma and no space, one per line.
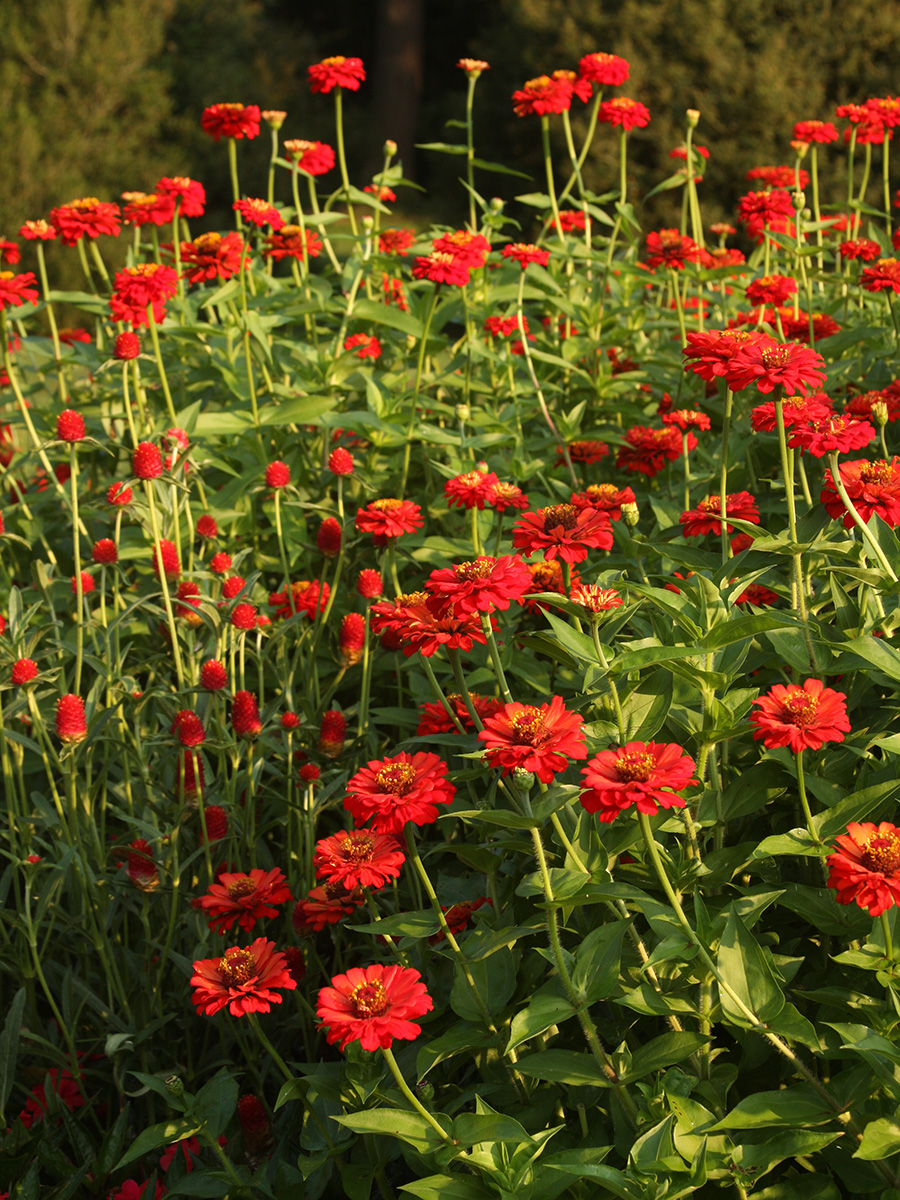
(799,708)
(876,472)
(358,847)
(635,767)
(882,853)
(389,504)
(527,725)
(565,515)
(207,242)
(85,204)
(480,569)
(370,999)
(237,967)
(396,778)
(239,888)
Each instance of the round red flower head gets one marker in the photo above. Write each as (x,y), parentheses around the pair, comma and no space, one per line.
(607,70)
(71,723)
(360,858)
(244,980)
(563,531)
(524,253)
(389,518)
(70,426)
(472,489)
(537,739)
(243,899)
(335,72)
(373,1006)
(391,791)
(648,775)
(315,158)
(865,868)
(16,290)
(621,110)
(231,121)
(802,717)
(483,585)
(707,516)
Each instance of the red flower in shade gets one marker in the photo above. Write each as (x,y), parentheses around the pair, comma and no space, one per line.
(506,495)
(586,450)
(802,717)
(243,979)
(608,70)
(335,72)
(866,866)
(245,715)
(471,489)
(212,256)
(434,718)
(815,131)
(622,111)
(373,1006)
(706,517)
(315,158)
(71,723)
(883,277)
(528,738)
(671,249)
(396,241)
(146,462)
(862,248)
(259,212)
(769,365)
(441,267)
(647,450)
(757,594)
(332,732)
(686,419)
(364,345)
(167,554)
(832,434)
(546,576)
(605,497)
(190,194)
(873,487)
(457,917)
(62,1085)
(243,899)
(543,95)
(571,220)
(231,121)
(563,530)
(391,791)
(340,461)
(189,728)
(216,821)
(484,585)
(324,905)
(87,217)
(393,293)
(306,595)
(328,539)
(289,242)
(188,602)
(148,285)
(778,177)
(389,518)
(70,426)
(37,231)
(863,404)
(207,526)
(646,774)
(771,289)
(256,1128)
(23,671)
(87,583)
(369,584)
(524,253)
(16,290)
(469,249)
(140,867)
(360,858)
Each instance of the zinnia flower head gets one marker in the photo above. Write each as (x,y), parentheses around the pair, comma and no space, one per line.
(803,717)
(594,598)
(473,67)
(812,132)
(648,775)
(883,277)
(391,791)
(16,290)
(244,980)
(213,256)
(543,95)
(86,217)
(189,193)
(707,516)
(71,723)
(563,531)
(396,241)
(361,858)
(865,868)
(315,158)
(304,596)
(373,1005)
(540,739)
(769,365)
(335,72)
(524,253)
(388,519)
(832,434)
(647,450)
(140,290)
(259,212)
(471,489)
(669,248)
(231,121)
(624,112)
(873,487)
(363,345)
(469,249)
(243,899)
(483,585)
(607,70)
(441,267)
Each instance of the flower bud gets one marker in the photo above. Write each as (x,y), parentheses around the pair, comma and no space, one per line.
(174,1086)
(631,514)
(693,118)
(880,413)
(390,148)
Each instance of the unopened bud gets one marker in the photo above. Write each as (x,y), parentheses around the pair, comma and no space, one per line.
(368,224)
(426,1091)
(174,1086)
(798,199)
(631,514)
(497,205)
(523,779)
(390,148)
(801,149)
(693,117)
(463,412)
(880,413)
(273,117)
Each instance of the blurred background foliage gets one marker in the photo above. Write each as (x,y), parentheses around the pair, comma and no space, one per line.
(105,96)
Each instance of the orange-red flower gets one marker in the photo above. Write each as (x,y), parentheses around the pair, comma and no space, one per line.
(359,858)
(212,256)
(605,497)
(813,132)
(524,253)
(866,866)
(315,158)
(771,289)
(391,791)
(396,241)
(138,288)
(669,248)
(244,980)
(543,95)
(335,72)
(231,121)
(563,530)
(608,70)
(873,487)
(624,112)
(830,434)
(243,899)
(364,345)
(648,775)
(883,277)
(469,249)
(324,905)
(802,717)
(483,585)
(306,595)
(531,738)
(706,517)
(421,623)
(772,210)
(389,518)
(472,489)
(441,267)
(148,208)
(647,450)
(190,194)
(16,290)
(259,212)
(289,241)
(769,365)
(434,718)
(87,217)
(373,1006)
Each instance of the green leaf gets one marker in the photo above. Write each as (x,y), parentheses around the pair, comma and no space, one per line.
(790,1107)
(215,1102)
(448,1187)
(804,1187)
(408,1126)
(9,1046)
(745,969)
(495,982)
(564,1066)
(755,1159)
(420,924)
(646,706)
(661,1052)
(461,1038)
(155,1136)
(597,959)
(386,314)
(471,1128)
(544,1010)
(498,168)
(442,147)
(880,1139)
(855,807)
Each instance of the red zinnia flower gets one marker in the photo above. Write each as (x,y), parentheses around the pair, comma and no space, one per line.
(606,69)
(756,593)
(685,419)
(231,121)
(396,241)
(524,253)
(594,598)
(563,530)
(434,718)
(441,267)
(324,905)
(571,220)
(87,217)
(360,858)
(469,249)
(802,717)
(769,365)
(289,242)
(62,1085)
(373,1005)
(423,624)
(546,576)
(648,450)
(862,248)
(140,287)
(710,354)
(71,723)
(471,489)
(543,95)
(629,114)
(364,345)
(190,194)
(706,517)
(866,866)
(646,774)
(245,715)
(212,256)
(306,595)
(391,791)
(884,276)
(244,899)
(335,72)
(242,979)
(315,158)
(605,497)
(774,210)
(15,290)
(148,208)
(483,585)
(873,487)
(672,249)
(815,131)
(795,410)
(528,738)
(473,66)
(389,518)
(259,212)
(771,289)
(829,434)
(504,495)
(37,231)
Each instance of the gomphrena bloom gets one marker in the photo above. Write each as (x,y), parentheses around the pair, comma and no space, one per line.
(127,346)
(803,717)
(536,738)
(246,980)
(230,120)
(358,858)
(71,723)
(278,474)
(647,775)
(373,1005)
(389,792)
(242,899)
(328,539)
(340,461)
(23,671)
(140,866)
(338,71)
(216,820)
(352,639)
(104,552)
(865,867)
(70,426)
(188,728)
(213,675)
(369,584)
(146,461)
(245,715)
(166,557)
(256,1128)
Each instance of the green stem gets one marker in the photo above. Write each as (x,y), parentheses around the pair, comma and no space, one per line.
(857,519)
(804,800)
(410,1097)
(551,188)
(342,161)
(154,337)
(417,386)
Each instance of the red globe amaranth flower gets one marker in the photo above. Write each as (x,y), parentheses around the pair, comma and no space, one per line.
(883,277)
(212,256)
(188,728)
(335,72)
(363,345)
(245,715)
(207,527)
(305,596)
(23,671)
(471,489)
(396,241)
(669,248)
(769,365)
(16,290)
(315,158)
(435,719)
(216,820)
(87,217)
(648,775)
(707,516)
(802,717)
(70,426)
(389,518)
(328,539)
(352,639)
(259,212)
(647,450)
(278,474)
(332,732)
(220,563)
(873,487)
(232,587)
(256,1128)
(127,346)
(118,495)
(369,584)
(87,583)
(441,267)
(563,530)
(340,461)
(360,858)
(244,980)
(391,791)
(146,461)
(167,554)
(544,95)
(243,899)
(605,497)
(71,723)
(290,241)
(231,121)
(140,866)
(373,1006)
(190,195)
(187,603)
(137,289)
(832,434)
(524,253)
(865,868)
(483,585)
(537,739)
(624,112)
(607,70)
(244,616)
